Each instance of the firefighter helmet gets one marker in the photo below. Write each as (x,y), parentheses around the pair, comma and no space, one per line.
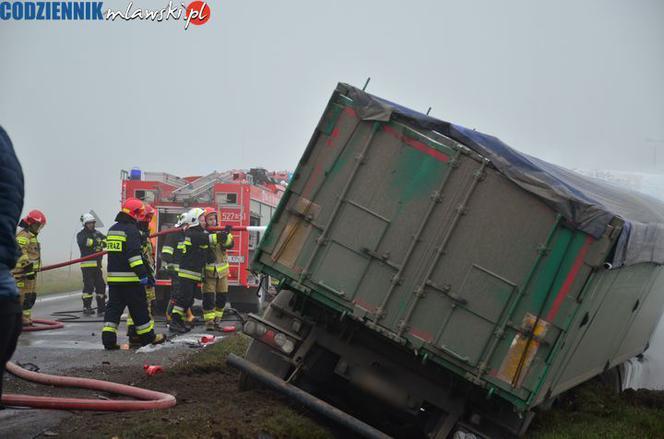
(88,218)
(208,211)
(35,217)
(134,208)
(181,219)
(193,218)
(148,214)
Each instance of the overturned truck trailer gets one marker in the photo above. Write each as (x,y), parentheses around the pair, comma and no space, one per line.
(434,280)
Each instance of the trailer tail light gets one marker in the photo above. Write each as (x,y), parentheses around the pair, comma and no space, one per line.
(271,336)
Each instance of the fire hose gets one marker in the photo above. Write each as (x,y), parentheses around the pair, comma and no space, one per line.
(154,235)
(43,325)
(148,399)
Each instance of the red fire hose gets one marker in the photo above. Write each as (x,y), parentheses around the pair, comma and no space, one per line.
(43,325)
(154,235)
(73,261)
(149,399)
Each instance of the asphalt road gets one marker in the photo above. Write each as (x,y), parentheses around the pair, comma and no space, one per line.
(78,346)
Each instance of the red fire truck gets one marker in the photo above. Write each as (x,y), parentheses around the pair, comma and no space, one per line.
(242,198)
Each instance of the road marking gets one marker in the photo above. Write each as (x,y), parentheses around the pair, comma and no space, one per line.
(51,298)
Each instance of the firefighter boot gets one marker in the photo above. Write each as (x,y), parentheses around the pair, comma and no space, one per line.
(109,337)
(218,316)
(27,317)
(28,302)
(159,339)
(101,304)
(87,306)
(135,341)
(191,319)
(177,324)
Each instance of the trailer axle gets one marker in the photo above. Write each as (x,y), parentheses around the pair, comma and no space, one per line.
(308,400)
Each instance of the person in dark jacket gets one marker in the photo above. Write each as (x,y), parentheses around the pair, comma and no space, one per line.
(171,255)
(11,205)
(127,278)
(91,241)
(194,258)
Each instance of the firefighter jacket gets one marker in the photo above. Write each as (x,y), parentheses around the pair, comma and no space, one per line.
(195,253)
(125,259)
(11,202)
(29,262)
(171,251)
(89,242)
(147,250)
(217,266)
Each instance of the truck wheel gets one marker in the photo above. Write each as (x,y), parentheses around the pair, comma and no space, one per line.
(612,378)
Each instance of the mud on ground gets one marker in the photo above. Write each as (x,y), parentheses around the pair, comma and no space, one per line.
(210,404)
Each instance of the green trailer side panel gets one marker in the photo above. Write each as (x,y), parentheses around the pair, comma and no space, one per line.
(607,329)
(426,243)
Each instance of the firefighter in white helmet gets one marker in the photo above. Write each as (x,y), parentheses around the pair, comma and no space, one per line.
(171,254)
(195,256)
(190,272)
(92,241)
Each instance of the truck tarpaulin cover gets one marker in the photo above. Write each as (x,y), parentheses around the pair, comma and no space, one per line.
(588,203)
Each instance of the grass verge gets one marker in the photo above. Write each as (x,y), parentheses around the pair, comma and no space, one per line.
(593,411)
(61,280)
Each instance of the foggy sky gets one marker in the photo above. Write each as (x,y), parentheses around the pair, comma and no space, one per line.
(577,83)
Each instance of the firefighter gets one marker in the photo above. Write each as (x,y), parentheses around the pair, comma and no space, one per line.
(215,286)
(127,278)
(195,257)
(29,262)
(171,254)
(92,241)
(148,260)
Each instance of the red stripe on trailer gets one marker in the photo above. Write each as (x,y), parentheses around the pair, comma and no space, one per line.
(569,280)
(350,111)
(364,305)
(416,144)
(425,336)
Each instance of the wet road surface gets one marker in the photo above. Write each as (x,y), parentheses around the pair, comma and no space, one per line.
(78,346)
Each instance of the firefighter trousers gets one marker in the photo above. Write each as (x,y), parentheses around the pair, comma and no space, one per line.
(93,285)
(27,288)
(215,292)
(131,296)
(183,297)
(150,296)
(175,280)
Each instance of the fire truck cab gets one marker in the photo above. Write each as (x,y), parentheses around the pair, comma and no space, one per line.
(241,197)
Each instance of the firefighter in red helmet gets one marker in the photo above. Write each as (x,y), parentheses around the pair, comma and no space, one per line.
(127,278)
(147,252)
(215,284)
(29,262)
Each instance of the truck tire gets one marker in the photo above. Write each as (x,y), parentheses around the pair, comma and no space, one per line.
(612,378)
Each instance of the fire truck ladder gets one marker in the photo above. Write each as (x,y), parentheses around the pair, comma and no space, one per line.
(164,177)
(200,186)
